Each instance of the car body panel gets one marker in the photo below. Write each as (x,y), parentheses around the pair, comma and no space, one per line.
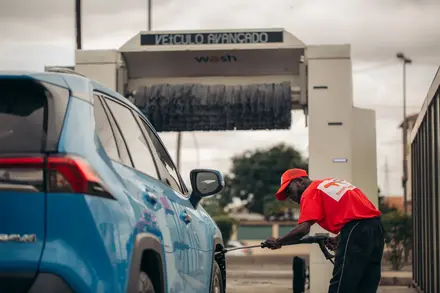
(19,219)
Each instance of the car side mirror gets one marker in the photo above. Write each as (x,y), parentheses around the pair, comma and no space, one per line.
(204,183)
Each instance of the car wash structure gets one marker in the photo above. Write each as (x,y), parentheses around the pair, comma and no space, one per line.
(243,80)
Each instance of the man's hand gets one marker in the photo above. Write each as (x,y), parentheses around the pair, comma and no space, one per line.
(272,243)
(332,243)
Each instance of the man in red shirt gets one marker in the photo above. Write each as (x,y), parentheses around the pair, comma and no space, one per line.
(340,208)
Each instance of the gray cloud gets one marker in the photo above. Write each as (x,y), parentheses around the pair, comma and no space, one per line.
(373,27)
(45,9)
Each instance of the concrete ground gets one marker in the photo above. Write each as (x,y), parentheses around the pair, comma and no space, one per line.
(239,285)
(259,275)
(281,273)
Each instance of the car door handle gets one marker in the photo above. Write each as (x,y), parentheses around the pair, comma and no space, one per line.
(185,217)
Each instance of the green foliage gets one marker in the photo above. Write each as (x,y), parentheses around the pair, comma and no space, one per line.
(212,205)
(255,175)
(225,224)
(226,195)
(274,206)
(398,237)
(384,208)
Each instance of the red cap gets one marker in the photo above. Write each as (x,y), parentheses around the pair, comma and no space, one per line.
(288,176)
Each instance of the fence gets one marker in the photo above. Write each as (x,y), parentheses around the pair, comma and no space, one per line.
(425,192)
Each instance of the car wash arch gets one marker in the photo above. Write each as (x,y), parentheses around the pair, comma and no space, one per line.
(232,80)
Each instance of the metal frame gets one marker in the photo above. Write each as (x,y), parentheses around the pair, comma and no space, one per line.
(425,175)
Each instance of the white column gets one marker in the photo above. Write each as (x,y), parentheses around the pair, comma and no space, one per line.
(101,66)
(330,101)
(364,154)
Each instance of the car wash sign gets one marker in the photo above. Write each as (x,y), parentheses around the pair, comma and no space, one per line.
(213,38)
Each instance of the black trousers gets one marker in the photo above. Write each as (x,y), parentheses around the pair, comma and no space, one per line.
(358,257)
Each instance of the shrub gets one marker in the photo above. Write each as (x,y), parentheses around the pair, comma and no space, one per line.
(398,237)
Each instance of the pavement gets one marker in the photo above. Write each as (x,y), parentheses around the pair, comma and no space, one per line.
(244,278)
(389,278)
(237,285)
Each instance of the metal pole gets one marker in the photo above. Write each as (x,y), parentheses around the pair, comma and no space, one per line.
(405,61)
(405,145)
(78,24)
(149,15)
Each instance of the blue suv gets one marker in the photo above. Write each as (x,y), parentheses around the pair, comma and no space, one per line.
(90,200)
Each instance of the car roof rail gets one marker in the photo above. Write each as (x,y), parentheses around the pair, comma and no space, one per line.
(66,70)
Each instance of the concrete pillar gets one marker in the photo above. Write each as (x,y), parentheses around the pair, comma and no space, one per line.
(234,231)
(365,153)
(330,101)
(337,130)
(276,230)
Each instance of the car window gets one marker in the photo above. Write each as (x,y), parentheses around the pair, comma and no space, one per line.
(136,143)
(105,131)
(122,146)
(173,178)
(22,116)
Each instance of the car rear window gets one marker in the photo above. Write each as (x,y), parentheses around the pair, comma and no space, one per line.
(22,115)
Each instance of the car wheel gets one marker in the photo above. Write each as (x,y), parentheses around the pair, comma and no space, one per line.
(145,284)
(217,279)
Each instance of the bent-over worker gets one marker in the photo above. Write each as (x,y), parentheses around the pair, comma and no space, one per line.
(342,209)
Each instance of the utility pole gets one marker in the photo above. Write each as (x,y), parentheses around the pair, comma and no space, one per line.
(387,178)
(405,60)
(149,15)
(78,24)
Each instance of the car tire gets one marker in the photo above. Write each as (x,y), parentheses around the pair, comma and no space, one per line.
(217,285)
(145,284)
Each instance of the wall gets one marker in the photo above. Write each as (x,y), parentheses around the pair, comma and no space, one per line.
(100,65)
(328,66)
(364,153)
(353,139)
(213,63)
(265,230)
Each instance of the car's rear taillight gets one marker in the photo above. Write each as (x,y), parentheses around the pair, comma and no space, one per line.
(64,174)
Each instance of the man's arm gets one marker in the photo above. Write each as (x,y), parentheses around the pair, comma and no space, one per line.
(296,234)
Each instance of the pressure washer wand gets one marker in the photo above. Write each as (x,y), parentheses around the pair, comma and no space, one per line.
(224,251)
(317,239)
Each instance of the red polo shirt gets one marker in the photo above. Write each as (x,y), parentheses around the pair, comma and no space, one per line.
(332,203)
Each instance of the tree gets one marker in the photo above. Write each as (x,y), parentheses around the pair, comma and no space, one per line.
(273,207)
(255,175)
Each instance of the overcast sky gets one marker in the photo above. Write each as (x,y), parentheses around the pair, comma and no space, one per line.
(37,33)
